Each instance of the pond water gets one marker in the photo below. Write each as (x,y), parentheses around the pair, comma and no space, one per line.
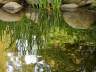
(52,41)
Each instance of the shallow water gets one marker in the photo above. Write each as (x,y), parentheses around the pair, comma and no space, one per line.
(48,43)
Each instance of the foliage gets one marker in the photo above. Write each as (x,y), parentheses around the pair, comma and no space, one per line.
(58,43)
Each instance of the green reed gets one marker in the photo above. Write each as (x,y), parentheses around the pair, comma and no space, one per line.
(51,26)
(55,3)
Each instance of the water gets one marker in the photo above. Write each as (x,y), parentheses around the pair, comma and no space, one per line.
(31,56)
(53,41)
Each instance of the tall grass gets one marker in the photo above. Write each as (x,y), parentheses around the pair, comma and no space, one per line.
(45,3)
(51,26)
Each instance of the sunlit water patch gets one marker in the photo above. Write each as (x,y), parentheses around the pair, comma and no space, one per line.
(23,56)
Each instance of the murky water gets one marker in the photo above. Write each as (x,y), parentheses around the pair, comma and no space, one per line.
(52,41)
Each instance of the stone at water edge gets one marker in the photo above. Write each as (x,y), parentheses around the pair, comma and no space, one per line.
(79,19)
(6,1)
(84,3)
(12,7)
(4,16)
(69,6)
(76,1)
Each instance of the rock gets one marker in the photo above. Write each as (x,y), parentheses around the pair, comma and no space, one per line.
(69,6)
(33,15)
(73,4)
(4,16)
(84,3)
(12,7)
(78,2)
(79,19)
(6,1)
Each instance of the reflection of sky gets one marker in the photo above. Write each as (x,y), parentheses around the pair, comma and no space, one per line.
(23,48)
(30,59)
(15,62)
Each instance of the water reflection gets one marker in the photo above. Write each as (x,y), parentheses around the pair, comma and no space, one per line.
(14,64)
(34,46)
(21,46)
(41,67)
(25,56)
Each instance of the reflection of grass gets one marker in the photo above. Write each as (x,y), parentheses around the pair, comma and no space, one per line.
(58,60)
(28,68)
(70,58)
